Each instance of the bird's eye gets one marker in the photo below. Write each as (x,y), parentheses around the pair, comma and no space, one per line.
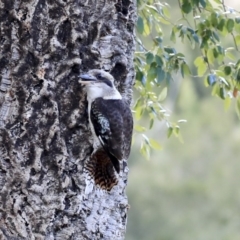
(99,76)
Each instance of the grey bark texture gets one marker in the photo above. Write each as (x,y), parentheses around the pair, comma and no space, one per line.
(45,192)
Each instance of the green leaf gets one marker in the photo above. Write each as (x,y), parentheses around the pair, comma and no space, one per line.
(222,93)
(160,75)
(186,7)
(139,128)
(237,28)
(179,26)
(185,70)
(169,50)
(139,61)
(152,72)
(203,3)
(238,107)
(215,53)
(166,12)
(158,40)
(227,103)
(211,79)
(238,75)
(138,103)
(153,111)
(149,58)
(224,81)
(237,39)
(138,113)
(214,19)
(230,25)
(162,95)
(201,66)
(169,132)
(159,60)
(216,90)
(237,64)
(190,30)
(230,56)
(139,75)
(146,139)
(146,27)
(145,150)
(154,144)
(176,131)
(143,80)
(173,36)
(195,2)
(140,25)
(210,56)
(195,37)
(221,25)
(237,20)
(180,56)
(219,73)
(227,70)
(215,35)
(151,7)
(151,123)
(220,50)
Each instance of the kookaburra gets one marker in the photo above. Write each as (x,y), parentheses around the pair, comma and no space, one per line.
(110,117)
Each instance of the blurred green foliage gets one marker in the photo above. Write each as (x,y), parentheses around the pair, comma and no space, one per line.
(206,30)
(187,191)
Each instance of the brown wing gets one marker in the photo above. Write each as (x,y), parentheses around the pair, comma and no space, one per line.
(112,121)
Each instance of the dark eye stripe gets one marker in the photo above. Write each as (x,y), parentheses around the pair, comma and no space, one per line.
(106,81)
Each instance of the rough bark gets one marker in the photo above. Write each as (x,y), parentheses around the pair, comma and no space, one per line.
(45,192)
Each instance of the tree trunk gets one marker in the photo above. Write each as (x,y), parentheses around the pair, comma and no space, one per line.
(45,191)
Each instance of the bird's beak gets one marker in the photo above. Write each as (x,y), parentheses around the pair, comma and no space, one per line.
(86,78)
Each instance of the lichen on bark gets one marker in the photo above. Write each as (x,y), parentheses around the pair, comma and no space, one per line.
(45,192)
